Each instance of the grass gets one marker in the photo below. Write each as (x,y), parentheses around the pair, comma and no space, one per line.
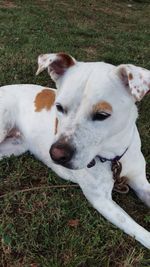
(58,227)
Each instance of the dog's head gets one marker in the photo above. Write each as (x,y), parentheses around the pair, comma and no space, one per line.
(95,107)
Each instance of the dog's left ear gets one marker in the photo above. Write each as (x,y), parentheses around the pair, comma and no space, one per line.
(136,79)
(57,64)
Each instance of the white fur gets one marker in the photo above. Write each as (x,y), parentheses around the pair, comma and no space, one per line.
(79,88)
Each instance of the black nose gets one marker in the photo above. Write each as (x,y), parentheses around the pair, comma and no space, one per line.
(61,153)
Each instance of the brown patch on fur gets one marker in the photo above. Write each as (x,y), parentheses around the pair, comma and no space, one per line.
(102,106)
(56,125)
(44,99)
(130,76)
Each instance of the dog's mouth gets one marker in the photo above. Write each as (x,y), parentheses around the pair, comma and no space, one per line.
(91,163)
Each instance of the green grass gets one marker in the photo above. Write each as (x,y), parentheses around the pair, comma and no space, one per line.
(35,226)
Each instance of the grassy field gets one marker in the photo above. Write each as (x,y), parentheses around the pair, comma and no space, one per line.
(50,227)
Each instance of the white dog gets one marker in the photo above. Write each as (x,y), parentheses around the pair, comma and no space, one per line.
(81,128)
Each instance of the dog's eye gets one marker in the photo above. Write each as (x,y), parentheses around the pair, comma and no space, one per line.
(100,116)
(60,108)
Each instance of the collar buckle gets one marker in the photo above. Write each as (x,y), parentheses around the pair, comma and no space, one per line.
(120,183)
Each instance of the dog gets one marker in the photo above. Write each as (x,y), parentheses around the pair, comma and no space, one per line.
(81,128)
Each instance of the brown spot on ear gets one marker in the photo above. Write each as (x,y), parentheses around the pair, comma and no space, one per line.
(67,59)
(130,76)
(61,63)
(102,106)
(56,125)
(44,99)
(123,76)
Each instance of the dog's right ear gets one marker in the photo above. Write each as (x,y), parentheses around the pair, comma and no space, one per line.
(57,64)
(135,79)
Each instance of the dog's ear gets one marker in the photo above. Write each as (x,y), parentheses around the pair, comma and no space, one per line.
(57,64)
(136,79)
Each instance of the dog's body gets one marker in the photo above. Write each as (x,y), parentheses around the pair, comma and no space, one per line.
(95,116)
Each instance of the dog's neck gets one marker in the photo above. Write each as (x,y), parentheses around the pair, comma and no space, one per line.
(118,143)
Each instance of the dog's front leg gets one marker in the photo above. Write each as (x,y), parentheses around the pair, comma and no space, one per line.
(97,188)
(111,211)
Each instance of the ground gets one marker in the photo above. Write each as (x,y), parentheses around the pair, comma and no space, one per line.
(42,225)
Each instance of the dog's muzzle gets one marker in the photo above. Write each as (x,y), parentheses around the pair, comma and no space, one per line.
(62,153)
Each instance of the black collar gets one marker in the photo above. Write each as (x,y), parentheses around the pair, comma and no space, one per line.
(102,159)
(117,158)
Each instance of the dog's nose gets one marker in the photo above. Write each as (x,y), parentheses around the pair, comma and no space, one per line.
(61,153)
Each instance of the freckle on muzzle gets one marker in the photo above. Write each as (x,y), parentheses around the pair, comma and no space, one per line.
(62,152)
